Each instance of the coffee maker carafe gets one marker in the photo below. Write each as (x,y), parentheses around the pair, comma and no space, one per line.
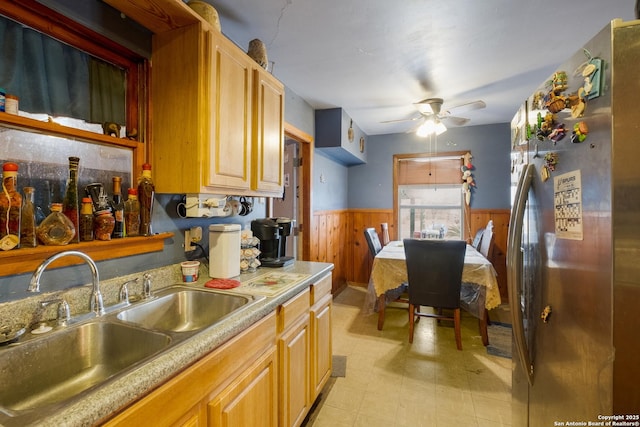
(273,233)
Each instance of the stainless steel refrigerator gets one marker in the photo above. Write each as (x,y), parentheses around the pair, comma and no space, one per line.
(574,238)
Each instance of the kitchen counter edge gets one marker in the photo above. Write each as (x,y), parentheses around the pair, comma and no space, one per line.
(100,404)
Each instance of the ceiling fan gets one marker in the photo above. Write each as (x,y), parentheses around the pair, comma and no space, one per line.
(434,118)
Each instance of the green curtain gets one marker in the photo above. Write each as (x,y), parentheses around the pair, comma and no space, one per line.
(53,78)
(108,92)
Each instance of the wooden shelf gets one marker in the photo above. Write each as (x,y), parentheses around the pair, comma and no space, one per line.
(52,128)
(158,16)
(26,260)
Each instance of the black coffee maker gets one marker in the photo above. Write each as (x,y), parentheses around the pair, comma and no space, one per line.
(273,233)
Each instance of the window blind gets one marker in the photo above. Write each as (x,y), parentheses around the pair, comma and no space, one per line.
(429,171)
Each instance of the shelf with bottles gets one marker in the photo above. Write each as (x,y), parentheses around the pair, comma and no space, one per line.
(26,260)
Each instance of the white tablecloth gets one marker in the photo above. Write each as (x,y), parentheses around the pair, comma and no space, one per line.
(390,271)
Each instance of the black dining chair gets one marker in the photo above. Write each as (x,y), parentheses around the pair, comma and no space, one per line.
(373,241)
(434,271)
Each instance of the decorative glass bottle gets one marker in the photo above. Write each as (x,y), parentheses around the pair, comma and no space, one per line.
(103,224)
(132,213)
(28,237)
(117,205)
(146,194)
(10,208)
(86,220)
(70,203)
(56,229)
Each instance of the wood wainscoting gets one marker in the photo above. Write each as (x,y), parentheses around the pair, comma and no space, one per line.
(500,217)
(337,236)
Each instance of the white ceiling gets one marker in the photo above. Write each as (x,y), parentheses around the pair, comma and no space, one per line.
(375,58)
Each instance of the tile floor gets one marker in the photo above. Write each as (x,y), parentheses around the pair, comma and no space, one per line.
(391,383)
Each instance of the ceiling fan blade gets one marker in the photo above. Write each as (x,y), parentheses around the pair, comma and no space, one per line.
(469,106)
(429,105)
(401,120)
(455,121)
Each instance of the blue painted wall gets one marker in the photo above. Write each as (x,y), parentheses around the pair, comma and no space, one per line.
(330,183)
(371,185)
(298,113)
(332,193)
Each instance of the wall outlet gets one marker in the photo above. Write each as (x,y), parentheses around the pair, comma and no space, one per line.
(188,243)
(191,236)
(196,234)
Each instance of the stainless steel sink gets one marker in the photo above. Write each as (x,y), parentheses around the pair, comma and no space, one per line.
(54,368)
(40,374)
(184,310)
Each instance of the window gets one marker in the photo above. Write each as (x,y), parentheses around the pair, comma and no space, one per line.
(65,74)
(41,146)
(58,80)
(72,75)
(429,201)
(430,210)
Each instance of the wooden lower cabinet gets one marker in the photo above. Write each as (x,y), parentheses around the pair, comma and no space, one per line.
(196,417)
(293,346)
(250,400)
(304,346)
(268,375)
(239,376)
(321,349)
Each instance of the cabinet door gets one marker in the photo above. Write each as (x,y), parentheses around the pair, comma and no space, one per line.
(196,417)
(230,116)
(251,399)
(294,373)
(268,142)
(180,105)
(321,351)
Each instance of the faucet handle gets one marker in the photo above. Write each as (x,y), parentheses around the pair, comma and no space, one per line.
(64,313)
(146,285)
(124,290)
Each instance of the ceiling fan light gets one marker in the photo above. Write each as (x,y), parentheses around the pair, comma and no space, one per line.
(427,128)
(440,128)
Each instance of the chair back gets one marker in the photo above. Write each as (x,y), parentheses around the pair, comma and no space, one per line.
(477,239)
(486,244)
(373,241)
(385,232)
(434,271)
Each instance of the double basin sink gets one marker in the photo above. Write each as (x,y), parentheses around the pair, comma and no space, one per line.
(43,373)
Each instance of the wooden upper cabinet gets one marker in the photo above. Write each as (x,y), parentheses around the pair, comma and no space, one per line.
(230,116)
(268,137)
(217,117)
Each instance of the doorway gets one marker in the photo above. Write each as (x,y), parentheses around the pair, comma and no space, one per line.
(287,205)
(296,200)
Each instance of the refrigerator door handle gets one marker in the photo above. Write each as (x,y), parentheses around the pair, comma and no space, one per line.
(514,267)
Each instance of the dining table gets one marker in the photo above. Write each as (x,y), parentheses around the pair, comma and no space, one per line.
(479,291)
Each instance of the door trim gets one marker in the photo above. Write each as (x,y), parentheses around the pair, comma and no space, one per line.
(306,154)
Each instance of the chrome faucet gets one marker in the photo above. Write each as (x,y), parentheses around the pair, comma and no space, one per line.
(97,305)
(124,291)
(64,313)
(146,289)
